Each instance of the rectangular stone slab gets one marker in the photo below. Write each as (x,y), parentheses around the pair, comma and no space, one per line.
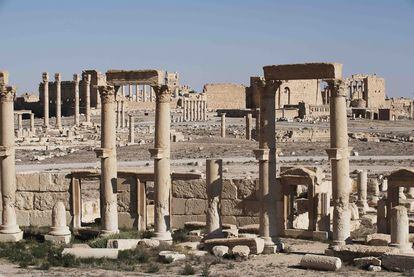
(141,77)
(256,245)
(348,253)
(303,71)
(398,262)
(95,253)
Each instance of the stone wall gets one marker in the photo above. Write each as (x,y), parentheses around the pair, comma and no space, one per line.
(225,96)
(239,201)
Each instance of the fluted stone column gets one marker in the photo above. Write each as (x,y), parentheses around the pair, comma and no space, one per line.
(32,124)
(45,77)
(270,222)
(339,156)
(107,153)
(88,98)
(131,129)
(76,80)
(9,230)
(214,184)
(223,125)
(249,124)
(161,155)
(362,183)
(184,109)
(400,229)
(58,101)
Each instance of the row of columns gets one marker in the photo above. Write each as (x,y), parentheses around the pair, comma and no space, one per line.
(194,109)
(144,94)
(120,114)
(20,124)
(76,80)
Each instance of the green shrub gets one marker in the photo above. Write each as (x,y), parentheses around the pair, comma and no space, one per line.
(188,270)
(153,268)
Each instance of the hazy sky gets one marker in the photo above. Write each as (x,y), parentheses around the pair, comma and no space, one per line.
(206,40)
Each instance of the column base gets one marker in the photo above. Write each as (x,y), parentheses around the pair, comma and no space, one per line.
(58,239)
(164,236)
(105,233)
(12,237)
(273,245)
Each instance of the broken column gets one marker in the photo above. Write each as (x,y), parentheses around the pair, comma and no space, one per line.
(362,184)
(339,156)
(249,123)
(107,153)
(58,102)
(214,184)
(161,155)
(131,129)
(400,229)
(59,232)
(45,100)
(88,98)
(9,230)
(266,155)
(223,125)
(76,80)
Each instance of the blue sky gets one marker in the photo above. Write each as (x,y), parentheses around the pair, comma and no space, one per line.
(206,40)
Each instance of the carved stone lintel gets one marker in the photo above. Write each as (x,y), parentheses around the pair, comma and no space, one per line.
(107,93)
(337,88)
(162,93)
(7,93)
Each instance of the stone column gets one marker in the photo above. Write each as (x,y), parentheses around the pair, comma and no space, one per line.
(152,94)
(144,93)
(270,223)
(32,124)
(131,129)
(122,114)
(20,123)
(107,153)
(214,184)
(59,232)
(118,113)
(45,100)
(161,155)
(400,229)
(88,98)
(249,124)
(362,191)
(382,225)
(185,109)
(9,230)
(76,80)
(410,192)
(130,94)
(223,125)
(58,102)
(339,156)
(204,110)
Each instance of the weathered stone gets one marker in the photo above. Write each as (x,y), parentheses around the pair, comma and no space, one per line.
(250,228)
(178,206)
(189,245)
(247,220)
(319,262)
(195,206)
(46,201)
(398,262)
(229,190)
(231,207)
(378,239)
(246,189)
(28,181)
(189,189)
(41,218)
(220,250)
(23,218)
(251,207)
(80,245)
(348,253)
(241,251)
(303,71)
(149,243)
(54,182)
(197,253)
(94,253)
(374,268)
(123,244)
(229,219)
(24,200)
(127,220)
(170,256)
(367,261)
(256,245)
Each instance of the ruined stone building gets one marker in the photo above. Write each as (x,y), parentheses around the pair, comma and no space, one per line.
(225,96)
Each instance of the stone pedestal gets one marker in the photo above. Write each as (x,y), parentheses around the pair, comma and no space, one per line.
(161,156)
(223,125)
(76,80)
(214,184)
(107,153)
(58,102)
(45,100)
(339,157)
(59,232)
(400,229)
(9,230)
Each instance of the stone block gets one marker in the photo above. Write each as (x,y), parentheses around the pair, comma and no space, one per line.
(246,189)
(11,237)
(229,190)
(220,250)
(58,239)
(24,200)
(23,218)
(178,206)
(320,262)
(241,251)
(123,244)
(251,207)
(195,206)
(378,239)
(178,221)
(45,201)
(365,262)
(348,253)
(231,207)
(27,181)
(124,184)
(170,256)
(127,220)
(398,262)
(41,218)
(189,189)
(93,253)
(124,201)
(303,71)
(256,245)
(249,228)
(229,220)
(56,182)
(247,220)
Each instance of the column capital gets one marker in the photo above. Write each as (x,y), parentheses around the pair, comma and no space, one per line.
(87,78)
(267,88)
(76,78)
(7,93)
(162,93)
(337,87)
(45,77)
(57,77)
(107,93)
